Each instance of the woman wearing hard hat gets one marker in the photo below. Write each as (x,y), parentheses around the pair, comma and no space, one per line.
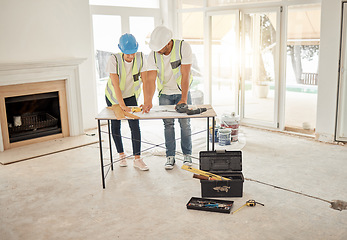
(169,62)
(127,70)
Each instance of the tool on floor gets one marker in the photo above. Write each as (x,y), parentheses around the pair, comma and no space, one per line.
(203,173)
(249,203)
(183,108)
(210,204)
(120,113)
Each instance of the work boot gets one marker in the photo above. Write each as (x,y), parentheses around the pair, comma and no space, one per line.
(138,163)
(187,160)
(170,162)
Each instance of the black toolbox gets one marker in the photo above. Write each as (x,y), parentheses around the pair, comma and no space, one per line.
(226,164)
(210,205)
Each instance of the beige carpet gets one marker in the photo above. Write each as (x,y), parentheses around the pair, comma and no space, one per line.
(49,147)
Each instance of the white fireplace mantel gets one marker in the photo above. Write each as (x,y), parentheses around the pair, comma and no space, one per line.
(52,70)
(42,64)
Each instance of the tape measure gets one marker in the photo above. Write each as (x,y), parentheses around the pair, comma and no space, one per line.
(136,109)
(203,173)
(249,203)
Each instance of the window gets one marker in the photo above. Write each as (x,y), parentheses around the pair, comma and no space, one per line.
(127,3)
(109,23)
(192,32)
(214,3)
(303,37)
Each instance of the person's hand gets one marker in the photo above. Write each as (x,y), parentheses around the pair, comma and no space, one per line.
(125,108)
(146,107)
(181,101)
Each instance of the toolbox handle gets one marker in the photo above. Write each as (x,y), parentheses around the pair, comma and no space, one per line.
(220,151)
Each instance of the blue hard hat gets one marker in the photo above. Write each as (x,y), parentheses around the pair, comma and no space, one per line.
(127,44)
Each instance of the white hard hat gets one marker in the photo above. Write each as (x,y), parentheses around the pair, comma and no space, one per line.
(159,38)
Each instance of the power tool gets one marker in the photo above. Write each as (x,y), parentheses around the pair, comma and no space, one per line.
(183,108)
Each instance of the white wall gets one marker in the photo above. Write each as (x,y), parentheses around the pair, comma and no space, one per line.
(40,30)
(328,69)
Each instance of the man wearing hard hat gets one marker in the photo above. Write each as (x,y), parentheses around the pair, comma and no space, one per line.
(169,62)
(126,70)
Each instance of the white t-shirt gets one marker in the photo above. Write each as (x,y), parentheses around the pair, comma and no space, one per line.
(111,67)
(170,85)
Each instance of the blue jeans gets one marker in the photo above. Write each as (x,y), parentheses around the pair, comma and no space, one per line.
(134,128)
(169,127)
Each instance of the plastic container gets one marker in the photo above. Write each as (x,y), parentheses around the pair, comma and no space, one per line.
(224,136)
(216,135)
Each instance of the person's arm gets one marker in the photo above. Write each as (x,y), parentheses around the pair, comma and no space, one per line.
(143,80)
(185,71)
(115,82)
(149,90)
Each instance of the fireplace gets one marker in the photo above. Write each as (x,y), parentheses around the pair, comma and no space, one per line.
(33,116)
(39,101)
(33,112)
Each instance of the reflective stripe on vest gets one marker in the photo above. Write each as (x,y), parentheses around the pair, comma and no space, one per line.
(120,69)
(175,61)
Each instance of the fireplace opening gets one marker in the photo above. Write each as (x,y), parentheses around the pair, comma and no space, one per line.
(33,116)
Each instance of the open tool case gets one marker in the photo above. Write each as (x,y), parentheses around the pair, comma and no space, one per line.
(210,205)
(224,163)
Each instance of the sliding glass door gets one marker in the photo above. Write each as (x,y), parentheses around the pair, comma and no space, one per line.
(224,61)
(260,67)
(302,45)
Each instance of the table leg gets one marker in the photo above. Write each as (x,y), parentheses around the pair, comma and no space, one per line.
(109,139)
(208,129)
(213,133)
(101,156)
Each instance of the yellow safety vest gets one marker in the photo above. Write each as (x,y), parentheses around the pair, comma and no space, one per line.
(136,71)
(175,60)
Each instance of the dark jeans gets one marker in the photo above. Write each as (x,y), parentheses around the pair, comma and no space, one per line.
(134,128)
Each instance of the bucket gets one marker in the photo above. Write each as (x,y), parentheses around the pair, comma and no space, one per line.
(224,136)
(231,121)
(234,138)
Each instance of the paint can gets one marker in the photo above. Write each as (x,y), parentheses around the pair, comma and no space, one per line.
(231,121)
(224,136)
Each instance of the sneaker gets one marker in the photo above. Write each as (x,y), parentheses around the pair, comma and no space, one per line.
(187,160)
(138,163)
(123,161)
(170,162)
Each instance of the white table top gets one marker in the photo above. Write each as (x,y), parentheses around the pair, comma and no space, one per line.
(161,112)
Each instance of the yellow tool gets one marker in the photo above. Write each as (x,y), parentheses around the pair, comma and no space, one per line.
(250,203)
(136,109)
(203,173)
